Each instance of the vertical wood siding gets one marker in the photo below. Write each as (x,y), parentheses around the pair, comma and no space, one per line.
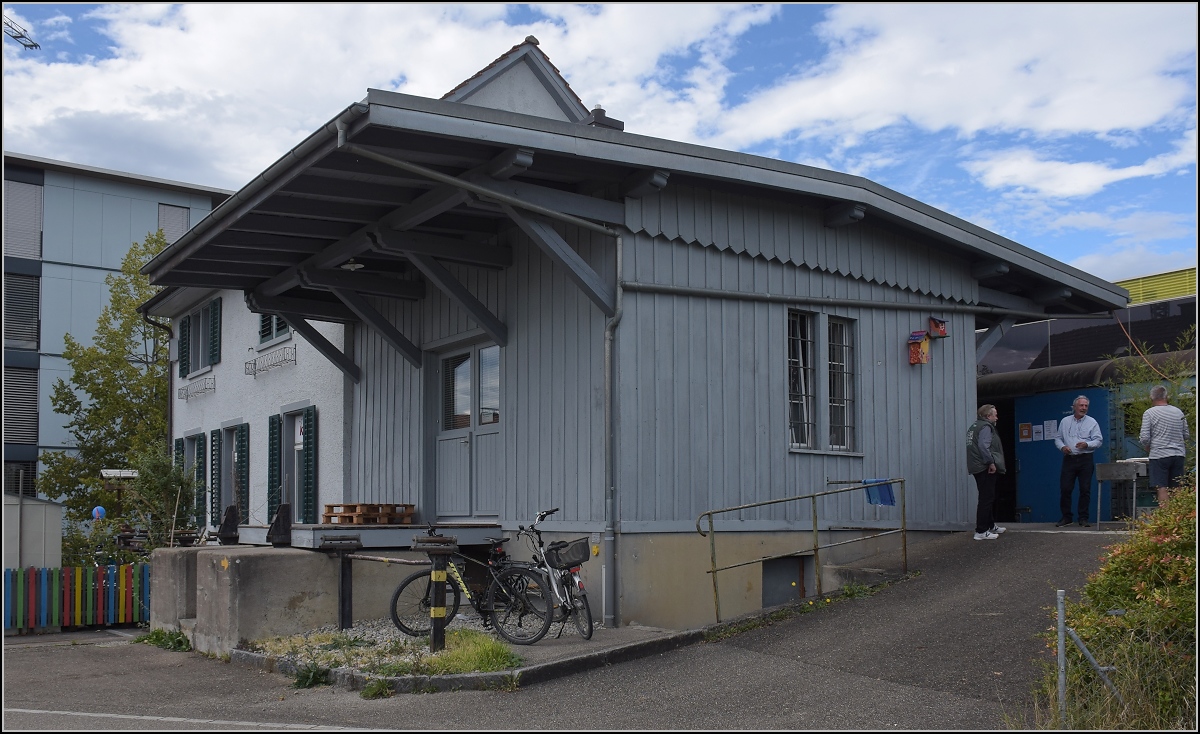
(74,597)
(551,389)
(703,396)
(795,234)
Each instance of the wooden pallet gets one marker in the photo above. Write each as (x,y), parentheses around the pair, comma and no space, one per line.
(363,513)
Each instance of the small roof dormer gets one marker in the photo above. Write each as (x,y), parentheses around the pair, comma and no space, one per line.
(524,81)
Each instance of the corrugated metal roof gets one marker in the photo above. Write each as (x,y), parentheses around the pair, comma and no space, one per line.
(1159,287)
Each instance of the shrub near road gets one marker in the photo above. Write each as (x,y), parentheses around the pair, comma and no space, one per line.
(1152,644)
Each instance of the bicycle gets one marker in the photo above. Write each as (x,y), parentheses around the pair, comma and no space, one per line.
(513,604)
(559,564)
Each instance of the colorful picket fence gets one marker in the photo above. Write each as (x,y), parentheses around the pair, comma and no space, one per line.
(76,597)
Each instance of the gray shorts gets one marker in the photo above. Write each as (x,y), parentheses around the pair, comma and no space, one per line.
(1166,471)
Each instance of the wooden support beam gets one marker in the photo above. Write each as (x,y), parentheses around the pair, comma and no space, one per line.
(444,248)
(989,339)
(458,293)
(307,308)
(204,280)
(567,202)
(371,283)
(840,215)
(989,269)
(643,183)
(557,249)
(322,345)
(376,321)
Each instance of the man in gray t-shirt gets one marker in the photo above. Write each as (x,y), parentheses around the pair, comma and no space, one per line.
(1164,431)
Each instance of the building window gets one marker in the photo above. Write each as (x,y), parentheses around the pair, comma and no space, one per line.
(821,401)
(271,327)
(200,338)
(21,309)
(173,221)
(800,380)
(841,385)
(20,477)
(22,219)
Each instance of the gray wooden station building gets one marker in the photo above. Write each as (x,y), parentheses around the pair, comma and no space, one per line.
(553,312)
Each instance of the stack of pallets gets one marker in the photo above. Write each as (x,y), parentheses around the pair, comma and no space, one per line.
(359,513)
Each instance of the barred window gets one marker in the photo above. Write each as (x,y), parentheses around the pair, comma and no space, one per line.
(821,400)
(841,385)
(800,380)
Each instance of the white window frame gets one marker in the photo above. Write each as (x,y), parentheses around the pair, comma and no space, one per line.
(821,380)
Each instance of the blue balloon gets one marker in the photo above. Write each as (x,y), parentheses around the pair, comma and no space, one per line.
(97,513)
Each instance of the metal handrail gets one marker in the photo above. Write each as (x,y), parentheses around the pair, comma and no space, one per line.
(816,546)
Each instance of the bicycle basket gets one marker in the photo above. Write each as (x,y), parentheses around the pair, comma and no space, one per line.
(568,555)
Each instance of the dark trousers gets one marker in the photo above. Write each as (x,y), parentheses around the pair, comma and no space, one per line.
(984,516)
(1076,467)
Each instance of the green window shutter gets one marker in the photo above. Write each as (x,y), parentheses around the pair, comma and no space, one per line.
(214,498)
(200,462)
(308,471)
(214,331)
(185,341)
(179,453)
(241,471)
(264,328)
(274,434)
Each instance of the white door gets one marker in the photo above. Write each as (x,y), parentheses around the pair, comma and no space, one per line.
(468,434)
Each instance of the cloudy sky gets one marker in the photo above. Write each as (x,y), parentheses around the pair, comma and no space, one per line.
(1068,128)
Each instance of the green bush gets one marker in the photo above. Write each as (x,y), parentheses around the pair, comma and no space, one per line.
(175,640)
(1138,615)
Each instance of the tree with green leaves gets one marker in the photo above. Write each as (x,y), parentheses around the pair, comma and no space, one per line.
(116,395)
(1175,371)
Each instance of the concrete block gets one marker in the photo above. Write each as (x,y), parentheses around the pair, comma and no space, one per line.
(172,587)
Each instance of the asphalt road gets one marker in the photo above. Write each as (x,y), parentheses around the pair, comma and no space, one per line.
(956,647)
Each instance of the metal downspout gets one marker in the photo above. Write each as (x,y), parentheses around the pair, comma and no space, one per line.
(610,469)
(170,336)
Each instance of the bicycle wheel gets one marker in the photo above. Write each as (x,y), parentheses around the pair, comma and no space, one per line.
(517,605)
(412,600)
(582,612)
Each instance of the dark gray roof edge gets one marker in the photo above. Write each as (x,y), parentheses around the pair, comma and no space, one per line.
(289,159)
(24,159)
(757,170)
(157,299)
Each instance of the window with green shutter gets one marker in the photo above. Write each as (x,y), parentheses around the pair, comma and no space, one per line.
(241,473)
(308,467)
(274,478)
(179,453)
(218,478)
(200,338)
(200,462)
(270,327)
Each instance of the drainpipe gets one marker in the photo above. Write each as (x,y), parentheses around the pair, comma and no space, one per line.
(610,466)
(170,336)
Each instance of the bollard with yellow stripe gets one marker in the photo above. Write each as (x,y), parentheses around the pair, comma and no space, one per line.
(439,548)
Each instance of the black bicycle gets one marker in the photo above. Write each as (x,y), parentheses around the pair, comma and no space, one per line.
(514,601)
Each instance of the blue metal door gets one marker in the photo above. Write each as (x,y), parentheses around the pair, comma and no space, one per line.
(1039,462)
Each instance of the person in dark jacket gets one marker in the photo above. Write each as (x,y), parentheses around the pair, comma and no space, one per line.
(985,462)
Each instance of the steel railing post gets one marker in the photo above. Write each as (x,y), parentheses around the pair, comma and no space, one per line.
(712,553)
(1062,660)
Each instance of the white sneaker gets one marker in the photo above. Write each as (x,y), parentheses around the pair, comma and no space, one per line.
(986,535)
(997,529)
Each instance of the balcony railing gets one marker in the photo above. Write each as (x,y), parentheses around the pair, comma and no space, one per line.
(271,360)
(198,387)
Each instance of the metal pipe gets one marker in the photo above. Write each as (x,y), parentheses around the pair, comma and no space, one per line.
(170,336)
(676,290)
(1062,660)
(610,469)
(479,190)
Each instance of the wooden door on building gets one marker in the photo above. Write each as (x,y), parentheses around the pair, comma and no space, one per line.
(468,439)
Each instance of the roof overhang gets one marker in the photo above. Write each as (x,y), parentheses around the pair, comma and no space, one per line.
(402,184)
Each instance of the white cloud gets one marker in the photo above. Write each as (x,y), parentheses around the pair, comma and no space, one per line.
(237,85)
(1022,168)
(1122,263)
(1134,228)
(1048,69)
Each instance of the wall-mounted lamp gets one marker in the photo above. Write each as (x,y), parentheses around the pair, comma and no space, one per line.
(351,265)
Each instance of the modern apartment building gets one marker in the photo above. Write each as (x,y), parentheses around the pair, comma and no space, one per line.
(67,227)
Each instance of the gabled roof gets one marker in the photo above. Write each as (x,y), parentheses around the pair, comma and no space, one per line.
(401,183)
(521,80)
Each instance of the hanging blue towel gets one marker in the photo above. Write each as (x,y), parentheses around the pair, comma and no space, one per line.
(879,494)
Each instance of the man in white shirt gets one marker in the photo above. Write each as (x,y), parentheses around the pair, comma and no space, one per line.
(1078,436)
(1164,431)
